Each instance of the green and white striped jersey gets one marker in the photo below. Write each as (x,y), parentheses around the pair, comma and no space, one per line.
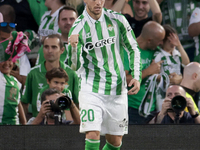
(172,63)
(195,18)
(49,24)
(9,100)
(100,52)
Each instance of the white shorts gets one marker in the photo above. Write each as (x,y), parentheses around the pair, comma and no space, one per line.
(105,113)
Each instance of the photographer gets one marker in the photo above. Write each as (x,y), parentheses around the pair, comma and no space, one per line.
(167,114)
(46,115)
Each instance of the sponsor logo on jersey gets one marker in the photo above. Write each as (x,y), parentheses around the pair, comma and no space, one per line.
(101,43)
(110,27)
(40,85)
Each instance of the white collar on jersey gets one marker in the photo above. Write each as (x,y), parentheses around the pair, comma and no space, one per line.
(91,19)
(175,52)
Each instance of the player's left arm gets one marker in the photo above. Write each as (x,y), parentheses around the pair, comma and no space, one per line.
(131,46)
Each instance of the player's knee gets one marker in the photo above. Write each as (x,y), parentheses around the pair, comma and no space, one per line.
(116,143)
(93,135)
(114,140)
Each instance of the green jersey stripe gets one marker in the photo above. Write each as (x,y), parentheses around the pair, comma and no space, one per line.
(111,33)
(48,20)
(86,61)
(105,59)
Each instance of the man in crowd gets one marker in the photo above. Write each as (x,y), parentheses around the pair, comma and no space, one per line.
(46,114)
(167,115)
(53,48)
(66,17)
(151,36)
(141,9)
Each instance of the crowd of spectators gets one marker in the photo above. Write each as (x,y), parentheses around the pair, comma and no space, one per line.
(163,28)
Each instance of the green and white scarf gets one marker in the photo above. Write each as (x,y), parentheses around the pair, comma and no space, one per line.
(153,90)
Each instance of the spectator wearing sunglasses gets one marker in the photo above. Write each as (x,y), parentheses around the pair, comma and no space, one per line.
(22,66)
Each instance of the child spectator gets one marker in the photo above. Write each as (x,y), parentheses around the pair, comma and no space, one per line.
(56,78)
(173,58)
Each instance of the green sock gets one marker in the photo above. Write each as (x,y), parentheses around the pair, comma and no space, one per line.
(91,144)
(109,146)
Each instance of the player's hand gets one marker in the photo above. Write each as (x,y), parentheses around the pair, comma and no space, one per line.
(136,87)
(175,78)
(73,39)
(154,68)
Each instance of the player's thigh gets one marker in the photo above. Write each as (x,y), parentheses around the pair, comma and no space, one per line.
(90,112)
(115,118)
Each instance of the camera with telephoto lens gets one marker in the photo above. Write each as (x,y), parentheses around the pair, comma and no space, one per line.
(60,104)
(178,103)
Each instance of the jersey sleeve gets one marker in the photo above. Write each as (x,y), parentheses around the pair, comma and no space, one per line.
(77,28)
(131,46)
(195,17)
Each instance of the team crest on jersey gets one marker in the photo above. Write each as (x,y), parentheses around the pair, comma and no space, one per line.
(40,85)
(110,27)
(13,94)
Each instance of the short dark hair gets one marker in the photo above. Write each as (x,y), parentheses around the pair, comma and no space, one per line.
(56,73)
(63,1)
(55,36)
(168,29)
(48,92)
(67,8)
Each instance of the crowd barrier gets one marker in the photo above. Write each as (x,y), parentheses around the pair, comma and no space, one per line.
(140,137)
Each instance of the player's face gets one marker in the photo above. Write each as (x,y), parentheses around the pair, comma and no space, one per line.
(141,9)
(4,35)
(66,20)
(175,90)
(52,50)
(6,67)
(57,83)
(94,8)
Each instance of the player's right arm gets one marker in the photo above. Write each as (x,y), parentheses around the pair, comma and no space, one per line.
(74,51)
